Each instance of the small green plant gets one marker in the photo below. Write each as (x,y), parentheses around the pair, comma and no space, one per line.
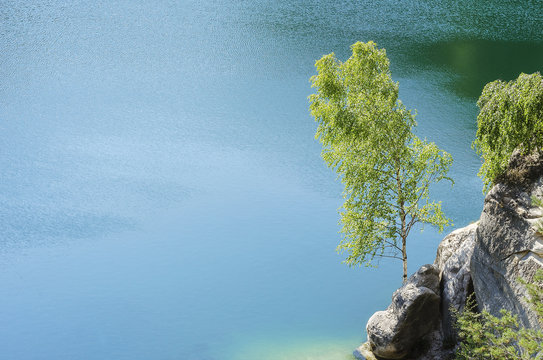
(484,336)
(535,293)
(538,225)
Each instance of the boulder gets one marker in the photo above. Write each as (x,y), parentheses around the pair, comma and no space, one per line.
(363,352)
(507,246)
(453,260)
(413,314)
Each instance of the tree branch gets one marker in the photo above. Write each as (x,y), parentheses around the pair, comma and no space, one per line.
(392,244)
(412,222)
(390,256)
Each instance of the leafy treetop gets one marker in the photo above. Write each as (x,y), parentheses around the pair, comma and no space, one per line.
(510,117)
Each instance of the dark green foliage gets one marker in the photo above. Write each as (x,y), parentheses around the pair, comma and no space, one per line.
(484,336)
(510,117)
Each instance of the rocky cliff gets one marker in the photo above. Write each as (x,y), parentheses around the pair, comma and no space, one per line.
(486,258)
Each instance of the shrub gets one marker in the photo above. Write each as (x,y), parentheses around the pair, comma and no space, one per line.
(484,336)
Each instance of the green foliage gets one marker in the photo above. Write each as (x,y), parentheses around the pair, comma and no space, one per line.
(484,336)
(510,117)
(535,293)
(366,134)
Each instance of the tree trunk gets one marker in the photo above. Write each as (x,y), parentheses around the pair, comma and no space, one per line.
(404,241)
(403,230)
(404,259)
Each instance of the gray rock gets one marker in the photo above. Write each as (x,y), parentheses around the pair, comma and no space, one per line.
(453,259)
(486,258)
(413,314)
(507,246)
(427,276)
(435,349)
(363,352)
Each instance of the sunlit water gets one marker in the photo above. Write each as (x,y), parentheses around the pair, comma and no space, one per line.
(161,192)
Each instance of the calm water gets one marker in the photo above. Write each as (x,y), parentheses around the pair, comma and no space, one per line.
(161,192)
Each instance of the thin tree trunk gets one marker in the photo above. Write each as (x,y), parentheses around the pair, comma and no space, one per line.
(403,231)
(404,259)
(404,242)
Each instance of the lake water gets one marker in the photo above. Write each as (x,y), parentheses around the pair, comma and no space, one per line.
(161,192)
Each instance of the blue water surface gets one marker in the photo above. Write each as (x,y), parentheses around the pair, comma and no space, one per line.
(161,192)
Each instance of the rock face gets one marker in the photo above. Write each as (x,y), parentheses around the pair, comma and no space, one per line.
(486,258)
(453,259)
(507,246)
(413,314)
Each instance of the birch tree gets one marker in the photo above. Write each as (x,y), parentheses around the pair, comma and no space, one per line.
(367,137)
